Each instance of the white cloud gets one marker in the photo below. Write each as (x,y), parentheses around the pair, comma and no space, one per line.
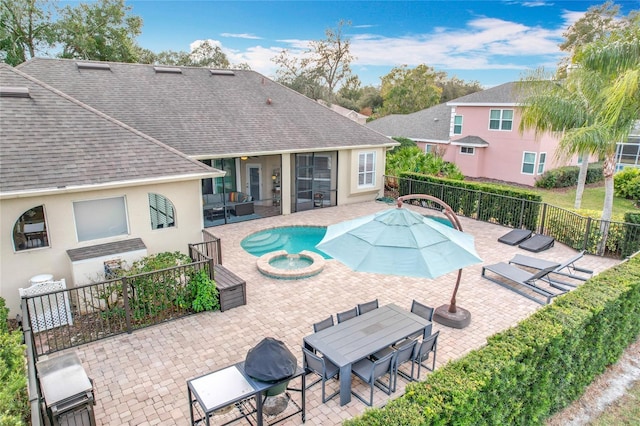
(482,44)
(243,35)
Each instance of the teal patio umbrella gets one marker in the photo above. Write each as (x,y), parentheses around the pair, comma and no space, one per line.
(399,241)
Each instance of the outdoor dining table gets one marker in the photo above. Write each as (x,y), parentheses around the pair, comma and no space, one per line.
(355,339)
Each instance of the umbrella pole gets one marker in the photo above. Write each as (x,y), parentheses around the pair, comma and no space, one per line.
(449,315)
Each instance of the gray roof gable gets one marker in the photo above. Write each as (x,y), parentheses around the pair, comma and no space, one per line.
(49,142)
(203,113)
(428,124)
(504,94)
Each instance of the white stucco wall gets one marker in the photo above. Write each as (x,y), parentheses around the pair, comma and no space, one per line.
(17,267)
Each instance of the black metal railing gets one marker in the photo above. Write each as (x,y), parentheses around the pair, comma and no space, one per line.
(605,238)
(66,318)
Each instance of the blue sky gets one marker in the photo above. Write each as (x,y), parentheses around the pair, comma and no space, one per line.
(492,42)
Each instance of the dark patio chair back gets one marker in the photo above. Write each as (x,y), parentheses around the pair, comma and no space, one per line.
(370,372)
(366,307)
(323,368)
(404,353)
(343,316)
(422,352)
(321,325)
(422,310)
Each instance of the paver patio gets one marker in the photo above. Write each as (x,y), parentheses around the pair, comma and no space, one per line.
(140,379)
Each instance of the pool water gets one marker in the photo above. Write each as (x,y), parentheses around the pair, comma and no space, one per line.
(285,262)
(292,239)
(442,220)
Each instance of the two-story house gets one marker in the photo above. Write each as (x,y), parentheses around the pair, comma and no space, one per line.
(479,133)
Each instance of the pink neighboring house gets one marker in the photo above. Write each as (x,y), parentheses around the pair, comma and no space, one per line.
(479,133)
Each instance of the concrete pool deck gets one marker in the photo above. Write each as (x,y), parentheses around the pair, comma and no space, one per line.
(140,379)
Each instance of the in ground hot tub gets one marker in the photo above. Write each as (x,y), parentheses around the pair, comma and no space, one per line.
(282,265)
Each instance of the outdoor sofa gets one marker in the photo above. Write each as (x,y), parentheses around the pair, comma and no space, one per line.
(238,203)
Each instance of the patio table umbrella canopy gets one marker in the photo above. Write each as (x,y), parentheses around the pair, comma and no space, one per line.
(399,241)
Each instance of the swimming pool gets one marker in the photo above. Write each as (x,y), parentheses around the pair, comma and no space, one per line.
(292,239)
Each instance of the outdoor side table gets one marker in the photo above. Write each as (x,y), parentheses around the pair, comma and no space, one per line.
(67,391)
(232,395)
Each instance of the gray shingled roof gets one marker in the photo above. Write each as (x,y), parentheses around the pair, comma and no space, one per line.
(505,94)
(204,114)
(49,141)
(431,124)
(471,141)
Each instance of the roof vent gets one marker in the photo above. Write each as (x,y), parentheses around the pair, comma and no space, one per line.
(14,92)
(167,70)
(222,72)
(93,66)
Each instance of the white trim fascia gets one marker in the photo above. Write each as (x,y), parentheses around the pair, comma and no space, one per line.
(106,185)
(296,151)
(482,104)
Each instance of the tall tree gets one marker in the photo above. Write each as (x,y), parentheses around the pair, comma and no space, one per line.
(26,29)
(330,58)
(596,105)
(405,90)
(319,70)
(454,87)
(205,54)
(596,22)
(102,31)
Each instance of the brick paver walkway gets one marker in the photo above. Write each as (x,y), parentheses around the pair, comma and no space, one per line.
(140,379)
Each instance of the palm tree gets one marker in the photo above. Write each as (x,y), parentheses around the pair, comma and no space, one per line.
(562,108)
(596,106)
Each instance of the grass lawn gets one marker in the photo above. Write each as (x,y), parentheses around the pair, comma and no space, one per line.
(625,411)
(592,199)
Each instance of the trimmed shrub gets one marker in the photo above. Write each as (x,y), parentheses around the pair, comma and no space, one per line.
(14,399)
(529,372)
(567,176)
(501,204)
(626,183)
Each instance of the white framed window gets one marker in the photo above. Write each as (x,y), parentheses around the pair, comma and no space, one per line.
(541,161)
(102,218)
(528,162)
(467,150)
(457,125)
(366,169)
(501,119)
(30,230)
(428,148)
(161,211)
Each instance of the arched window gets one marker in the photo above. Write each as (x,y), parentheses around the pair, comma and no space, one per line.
(30,230)
(161,211)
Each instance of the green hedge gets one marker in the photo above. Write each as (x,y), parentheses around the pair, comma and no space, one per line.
(564,177)
(529,372)
(14,400)
(508,206)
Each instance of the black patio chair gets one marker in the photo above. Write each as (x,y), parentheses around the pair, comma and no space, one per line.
(346,315)
(371,372)
(323,368)
(366,307)
(321,325)
(404,353)
(421,353)
(425,312)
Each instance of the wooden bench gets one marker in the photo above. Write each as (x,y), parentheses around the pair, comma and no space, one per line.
(232,289)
